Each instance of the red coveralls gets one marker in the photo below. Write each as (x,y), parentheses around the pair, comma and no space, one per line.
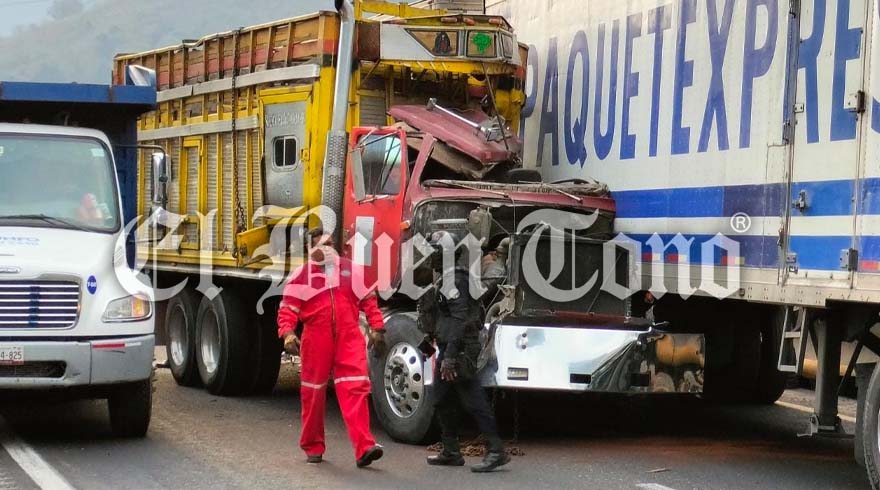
(331,340)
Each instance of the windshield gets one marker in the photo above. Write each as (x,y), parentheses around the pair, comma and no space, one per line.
(55,181)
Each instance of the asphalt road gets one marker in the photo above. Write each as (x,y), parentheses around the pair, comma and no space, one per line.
(198,441)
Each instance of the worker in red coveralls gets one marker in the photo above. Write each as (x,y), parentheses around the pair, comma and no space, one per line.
(322,294)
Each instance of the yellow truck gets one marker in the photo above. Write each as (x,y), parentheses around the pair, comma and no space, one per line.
(245,116)
(399,122)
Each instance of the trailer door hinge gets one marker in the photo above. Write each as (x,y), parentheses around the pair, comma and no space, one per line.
(849,259)
(791,260)
(855,102)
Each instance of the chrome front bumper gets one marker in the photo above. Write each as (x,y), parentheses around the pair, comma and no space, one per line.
(580,359)
(64,364)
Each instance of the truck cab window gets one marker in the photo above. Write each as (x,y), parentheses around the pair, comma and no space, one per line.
(382,160)
(63,178)
(285,149)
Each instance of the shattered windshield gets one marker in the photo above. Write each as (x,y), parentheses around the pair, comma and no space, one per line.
(56,181)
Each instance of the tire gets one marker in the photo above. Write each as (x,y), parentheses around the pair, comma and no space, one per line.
(403,363)
(223,344)
(265,354)
(771,382)
(180,334)
(130,408)
(869,434)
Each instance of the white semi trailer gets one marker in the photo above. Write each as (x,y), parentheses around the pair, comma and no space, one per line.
(755,119)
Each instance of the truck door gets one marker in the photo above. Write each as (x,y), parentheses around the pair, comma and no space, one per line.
(827,111)
(286,150)
(373,207)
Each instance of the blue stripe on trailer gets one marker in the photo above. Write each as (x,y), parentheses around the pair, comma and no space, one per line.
(824,198)
(869,198)
(77,93)
(755,250)
(814,252)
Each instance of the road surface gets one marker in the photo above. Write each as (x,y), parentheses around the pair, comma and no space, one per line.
(198,441)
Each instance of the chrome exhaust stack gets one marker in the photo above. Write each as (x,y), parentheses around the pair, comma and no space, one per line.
(337,140)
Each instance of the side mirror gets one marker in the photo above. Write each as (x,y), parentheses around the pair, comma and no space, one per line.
(161,176)
(357,174)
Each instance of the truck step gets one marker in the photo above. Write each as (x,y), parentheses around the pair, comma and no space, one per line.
(793,341)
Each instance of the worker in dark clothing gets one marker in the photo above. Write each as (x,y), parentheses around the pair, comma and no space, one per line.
(454,319)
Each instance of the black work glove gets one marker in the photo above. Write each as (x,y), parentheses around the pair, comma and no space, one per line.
(448,368)
(426,347)
(377,343)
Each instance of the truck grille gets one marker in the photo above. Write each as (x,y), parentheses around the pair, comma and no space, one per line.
(43,369)
(38,304)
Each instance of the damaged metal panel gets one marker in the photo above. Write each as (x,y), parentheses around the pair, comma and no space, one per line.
(589,189)
(453,160)
(458,134)
(586,358)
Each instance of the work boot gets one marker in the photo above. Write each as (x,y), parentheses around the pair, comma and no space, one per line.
(314,458)
(495,456)
(446,459)
(492,461)
(371,455)
(450,454)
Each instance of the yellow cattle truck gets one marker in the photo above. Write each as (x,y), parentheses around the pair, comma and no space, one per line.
(255,123)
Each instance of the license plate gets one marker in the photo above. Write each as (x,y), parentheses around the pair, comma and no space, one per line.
(11,355)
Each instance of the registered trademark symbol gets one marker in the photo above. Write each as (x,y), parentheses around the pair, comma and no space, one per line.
(740,222)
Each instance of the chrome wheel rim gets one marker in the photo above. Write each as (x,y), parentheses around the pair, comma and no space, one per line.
(210,343)
(177,338)
(404,380)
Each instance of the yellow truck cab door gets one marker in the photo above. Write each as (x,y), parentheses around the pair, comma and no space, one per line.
(286,147)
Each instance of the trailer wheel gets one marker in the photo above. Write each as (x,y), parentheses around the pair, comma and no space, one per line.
(223,344)
(869,430)
(403,403)
(265,356)
(131,407)
(180,335)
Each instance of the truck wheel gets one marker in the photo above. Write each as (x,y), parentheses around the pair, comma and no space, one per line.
(265,354)
(131,407)
(771,382)
(180,334)
(404,405)
(869,432)
(223,347)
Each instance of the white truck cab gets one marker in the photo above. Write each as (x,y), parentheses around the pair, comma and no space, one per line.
(69,321)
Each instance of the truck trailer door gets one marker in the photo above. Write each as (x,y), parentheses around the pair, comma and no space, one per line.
(827,111)
(286,150)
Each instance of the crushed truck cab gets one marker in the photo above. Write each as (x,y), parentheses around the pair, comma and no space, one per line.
(553,324)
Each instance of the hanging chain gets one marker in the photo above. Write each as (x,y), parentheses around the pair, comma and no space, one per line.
(240,215)
(515,416)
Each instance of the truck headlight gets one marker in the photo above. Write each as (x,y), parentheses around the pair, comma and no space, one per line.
(130,308)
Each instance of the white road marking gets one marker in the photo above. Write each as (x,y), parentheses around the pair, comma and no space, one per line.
(653,486)
(801,408)
(41,472)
